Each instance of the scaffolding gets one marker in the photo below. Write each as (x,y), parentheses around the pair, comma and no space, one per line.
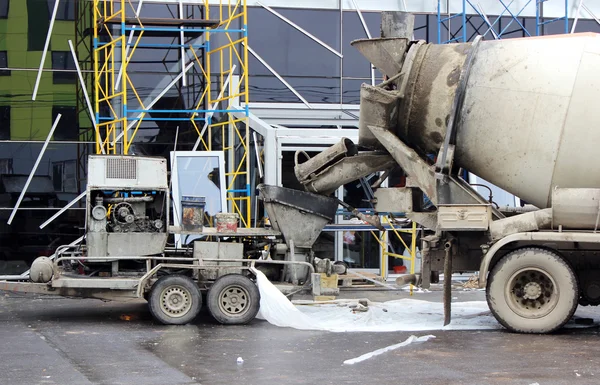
(214,45)
(384,238)
(471,20)
(83,49)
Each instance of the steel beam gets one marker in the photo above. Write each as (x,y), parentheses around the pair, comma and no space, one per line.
(296,114)
(552,8)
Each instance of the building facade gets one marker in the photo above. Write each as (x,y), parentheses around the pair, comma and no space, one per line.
(304,81)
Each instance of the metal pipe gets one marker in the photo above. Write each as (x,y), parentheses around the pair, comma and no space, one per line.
(281,79)
(129,40)
(153,102)
(68,206)
(410,279)
(487,187)
(35,166)
(191,259)
(72,244)
(487,21)
(210,113)
(591,13)
(372,280)
(299,29)
(129,199)
(133,258)
(517,210)
(85,95)
(182,49)
(13,278)
(256,153)
(368,32)
(45,51)
(267,262)
(448,282)
(576,19)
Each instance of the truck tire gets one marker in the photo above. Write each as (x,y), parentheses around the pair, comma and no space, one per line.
(532,290)
(175,300)
(233,299)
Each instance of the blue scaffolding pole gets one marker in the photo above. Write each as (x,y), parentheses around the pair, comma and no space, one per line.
(539,17)
(470,11)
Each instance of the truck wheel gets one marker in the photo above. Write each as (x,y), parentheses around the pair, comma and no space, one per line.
(175,300)
(233,300)
(532,290)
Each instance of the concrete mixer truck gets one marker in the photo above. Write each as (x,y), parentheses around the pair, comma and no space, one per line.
(519,113)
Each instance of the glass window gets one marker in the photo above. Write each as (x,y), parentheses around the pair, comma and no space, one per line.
(198,174)
(61,61)
(4,9)
(70,177)
(305,64)
(67,128)
(355,64)
(37,24)
(4,122)
(57,173)
(23,239)
(4,64)
(6,166)
(66,9)
(64,178)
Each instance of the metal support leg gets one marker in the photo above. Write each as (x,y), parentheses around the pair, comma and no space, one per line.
(115,268)
(448,283)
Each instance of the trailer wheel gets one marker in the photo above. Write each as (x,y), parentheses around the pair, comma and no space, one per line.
(532,290)
(175,300)
(233,300)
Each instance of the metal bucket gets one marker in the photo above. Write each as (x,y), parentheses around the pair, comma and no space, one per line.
(192,212)
(227,222)
(299,215)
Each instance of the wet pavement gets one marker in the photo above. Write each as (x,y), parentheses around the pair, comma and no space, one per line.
(48,340)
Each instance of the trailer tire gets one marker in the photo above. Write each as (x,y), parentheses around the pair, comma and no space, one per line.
(233,299)
(175,300)
(532,290)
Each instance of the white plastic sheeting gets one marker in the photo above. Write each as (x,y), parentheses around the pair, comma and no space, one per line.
(399,315)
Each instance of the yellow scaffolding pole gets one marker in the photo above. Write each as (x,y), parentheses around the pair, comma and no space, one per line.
(234,132)
(106,66)
(384,245)
(112,85)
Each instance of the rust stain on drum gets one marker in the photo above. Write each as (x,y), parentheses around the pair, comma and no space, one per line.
(453,77)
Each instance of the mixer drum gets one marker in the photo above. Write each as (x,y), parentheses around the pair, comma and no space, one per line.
(529,117)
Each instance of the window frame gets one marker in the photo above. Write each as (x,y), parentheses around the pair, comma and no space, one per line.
(179,160)
(62,187)
(64,110)
(63,9)
(63,74)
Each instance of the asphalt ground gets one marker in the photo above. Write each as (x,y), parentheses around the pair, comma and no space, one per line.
(53,340)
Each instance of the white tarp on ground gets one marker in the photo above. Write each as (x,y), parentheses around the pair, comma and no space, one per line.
(400,315)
